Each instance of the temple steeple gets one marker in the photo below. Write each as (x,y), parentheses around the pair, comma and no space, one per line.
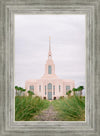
(49,53)
(49,66)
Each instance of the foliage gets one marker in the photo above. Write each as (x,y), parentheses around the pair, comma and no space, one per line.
(27,107)
(19,90)
(69,93)
(74,90)
(61,97)
(70,109)
(80,88)
(30,93)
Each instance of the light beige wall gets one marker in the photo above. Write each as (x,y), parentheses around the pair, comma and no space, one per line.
(44,82)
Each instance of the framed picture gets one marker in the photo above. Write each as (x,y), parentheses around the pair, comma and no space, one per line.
(49,68)
(62,79)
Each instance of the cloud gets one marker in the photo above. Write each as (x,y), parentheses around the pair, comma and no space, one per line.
(32,42)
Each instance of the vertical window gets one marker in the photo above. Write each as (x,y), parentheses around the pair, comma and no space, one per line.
(49,86)
(49,69)
(59,88)
(67,88)
(45,89)
(40,88)
(54,90)
(32,88)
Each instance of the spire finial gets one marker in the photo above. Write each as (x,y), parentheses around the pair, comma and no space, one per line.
(49,54)
(49,43)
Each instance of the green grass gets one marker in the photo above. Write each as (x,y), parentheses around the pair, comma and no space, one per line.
(70,109)
(27,107)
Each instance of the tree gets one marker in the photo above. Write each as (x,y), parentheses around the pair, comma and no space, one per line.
(74,90)
(80,88)
(69,93)
(23,90)
(16,88)
(30,93)
(20,90)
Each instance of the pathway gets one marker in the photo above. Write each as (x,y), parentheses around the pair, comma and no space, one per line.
(49,114)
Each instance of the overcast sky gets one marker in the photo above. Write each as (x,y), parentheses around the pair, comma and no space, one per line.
(67,44)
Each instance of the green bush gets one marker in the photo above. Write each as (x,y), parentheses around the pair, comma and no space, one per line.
(72,109)
(27,107)
(61,97)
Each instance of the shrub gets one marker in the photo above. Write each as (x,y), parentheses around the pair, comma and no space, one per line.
(27,107)
(72,109)
(61,97)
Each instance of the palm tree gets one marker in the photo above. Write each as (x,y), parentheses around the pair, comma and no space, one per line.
(80,88)
(23,90)
(74,90)
(16,88)
(69,93)
(20,89)
(30,93)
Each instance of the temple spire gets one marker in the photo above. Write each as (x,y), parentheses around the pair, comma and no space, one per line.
(49,43)
(49,54)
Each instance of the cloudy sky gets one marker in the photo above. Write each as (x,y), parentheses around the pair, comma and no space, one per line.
(67,44)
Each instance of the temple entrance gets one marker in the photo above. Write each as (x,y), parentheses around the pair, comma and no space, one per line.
(49,95)
(49,91)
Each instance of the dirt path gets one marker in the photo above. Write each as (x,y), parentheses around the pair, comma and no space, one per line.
(49,114)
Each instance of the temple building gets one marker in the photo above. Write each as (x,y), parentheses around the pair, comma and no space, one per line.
(49,86)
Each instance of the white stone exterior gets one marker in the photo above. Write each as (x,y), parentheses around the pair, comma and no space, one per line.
(49,86)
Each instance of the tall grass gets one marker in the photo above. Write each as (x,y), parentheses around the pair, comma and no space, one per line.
(27,107)
(71,109)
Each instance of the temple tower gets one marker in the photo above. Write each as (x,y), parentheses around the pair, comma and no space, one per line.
(49,66)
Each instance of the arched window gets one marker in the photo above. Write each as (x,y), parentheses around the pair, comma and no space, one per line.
(49,86)
(49,69)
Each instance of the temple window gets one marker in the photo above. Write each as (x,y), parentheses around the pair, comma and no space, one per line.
(53,92)
(59,88)
(54,88)
(32,87)
(49,86)
(45,89)
(40,88)
(49,69)
(67,88)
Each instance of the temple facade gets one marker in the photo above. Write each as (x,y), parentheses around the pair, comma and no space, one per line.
(49,86)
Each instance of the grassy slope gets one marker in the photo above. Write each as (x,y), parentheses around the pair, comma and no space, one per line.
(27,107)
(72,109)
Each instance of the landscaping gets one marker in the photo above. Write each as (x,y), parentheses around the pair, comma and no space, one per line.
(70,109)
(26,107)
(33,108)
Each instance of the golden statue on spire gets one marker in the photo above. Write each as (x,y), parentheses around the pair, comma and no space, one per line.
(49,43)
(49,54)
